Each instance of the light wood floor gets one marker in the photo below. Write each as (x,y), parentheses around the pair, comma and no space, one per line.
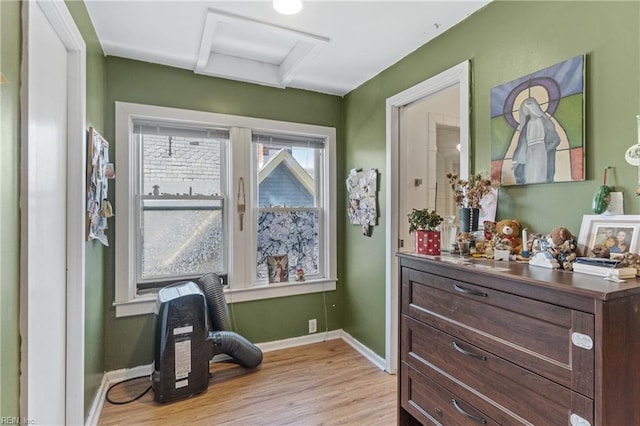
(326,383)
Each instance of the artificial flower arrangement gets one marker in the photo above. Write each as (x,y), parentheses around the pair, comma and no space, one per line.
(423,220)
(468,193)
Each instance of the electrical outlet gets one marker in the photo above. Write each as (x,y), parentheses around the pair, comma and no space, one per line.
(313,326)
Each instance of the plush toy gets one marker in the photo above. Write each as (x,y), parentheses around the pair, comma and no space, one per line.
(557,249)
(632,260)
(489,228)
(566,254)
(507,236)
(562,245)
(559,235)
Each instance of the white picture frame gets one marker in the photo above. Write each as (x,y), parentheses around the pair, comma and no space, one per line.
(597,230)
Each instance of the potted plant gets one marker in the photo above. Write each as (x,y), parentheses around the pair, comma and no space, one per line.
(425,222)
(467,195)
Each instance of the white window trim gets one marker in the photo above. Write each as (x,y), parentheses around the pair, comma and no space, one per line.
(127,302)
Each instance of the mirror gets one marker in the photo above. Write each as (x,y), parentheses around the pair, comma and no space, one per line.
(430,147)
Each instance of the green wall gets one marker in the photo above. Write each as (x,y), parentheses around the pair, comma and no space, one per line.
(10,29)
(129,341)
(94,252)
(500,48)
(504,40)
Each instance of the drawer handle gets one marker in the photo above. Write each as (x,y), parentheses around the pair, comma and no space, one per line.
(460,289)
(464,413)
(471,354)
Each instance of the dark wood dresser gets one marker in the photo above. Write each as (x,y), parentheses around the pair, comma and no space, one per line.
(506,343)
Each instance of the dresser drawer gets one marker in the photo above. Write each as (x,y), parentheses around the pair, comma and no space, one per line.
(435,353)
(431,403)
(533,334)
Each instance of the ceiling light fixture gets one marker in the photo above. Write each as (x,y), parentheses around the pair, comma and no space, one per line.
(287,7)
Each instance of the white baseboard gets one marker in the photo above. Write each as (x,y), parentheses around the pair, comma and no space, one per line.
(109,378)
(116,376)
(375,359)
(98,401)
(299,341)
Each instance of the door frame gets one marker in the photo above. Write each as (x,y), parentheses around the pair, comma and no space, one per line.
(65,27)
(458,74)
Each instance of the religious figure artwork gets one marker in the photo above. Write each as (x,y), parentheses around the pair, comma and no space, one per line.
(537,126)
(362,187)
(278,268)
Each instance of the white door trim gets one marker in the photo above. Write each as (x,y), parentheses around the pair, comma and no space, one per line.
(458,74)
(63,24)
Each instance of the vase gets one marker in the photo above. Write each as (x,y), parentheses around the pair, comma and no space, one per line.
(469,219)
(428,242)
(448,232)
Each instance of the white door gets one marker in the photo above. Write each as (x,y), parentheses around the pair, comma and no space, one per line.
(52,276)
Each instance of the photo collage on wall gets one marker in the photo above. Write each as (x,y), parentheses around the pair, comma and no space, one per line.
(99,171)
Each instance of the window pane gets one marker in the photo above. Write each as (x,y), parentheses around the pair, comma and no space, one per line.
(178,242)
(294,233)
(182,231)
(286,175)
(181,165)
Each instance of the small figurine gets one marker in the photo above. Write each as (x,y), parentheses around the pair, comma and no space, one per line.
(299,274)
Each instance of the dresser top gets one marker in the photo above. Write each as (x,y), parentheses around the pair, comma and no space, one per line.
(501,274)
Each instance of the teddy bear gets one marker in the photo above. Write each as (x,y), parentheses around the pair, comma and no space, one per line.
(559,235)
(489,228)
(507,236)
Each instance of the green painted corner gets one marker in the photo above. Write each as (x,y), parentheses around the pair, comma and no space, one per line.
(607,32)
(10,53)
(129,341)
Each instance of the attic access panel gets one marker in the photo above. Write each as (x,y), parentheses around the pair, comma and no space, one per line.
(244,49)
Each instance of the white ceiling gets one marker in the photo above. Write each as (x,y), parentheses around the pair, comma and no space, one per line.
(330,47)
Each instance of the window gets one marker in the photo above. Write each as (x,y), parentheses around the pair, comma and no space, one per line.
(183,180)
(181,202)
(289,176)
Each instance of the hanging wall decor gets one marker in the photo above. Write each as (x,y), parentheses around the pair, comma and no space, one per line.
(362,187)
(537,126)
(99,171)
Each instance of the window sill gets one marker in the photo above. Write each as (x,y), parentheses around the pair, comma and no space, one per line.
(146,304)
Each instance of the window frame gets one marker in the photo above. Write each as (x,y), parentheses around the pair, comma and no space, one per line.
(242,252)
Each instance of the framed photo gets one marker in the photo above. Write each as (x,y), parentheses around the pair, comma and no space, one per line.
(618,233)
(278,266)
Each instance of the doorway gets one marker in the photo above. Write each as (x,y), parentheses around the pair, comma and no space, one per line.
(52,196)
(399,109)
